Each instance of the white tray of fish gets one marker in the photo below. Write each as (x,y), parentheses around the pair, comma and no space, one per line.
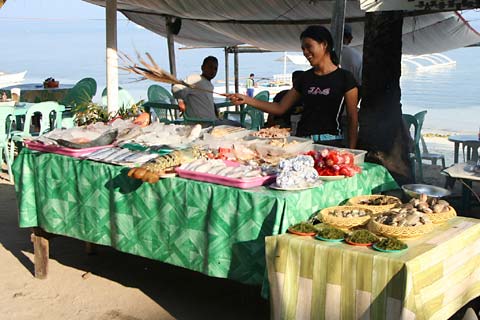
(120,156)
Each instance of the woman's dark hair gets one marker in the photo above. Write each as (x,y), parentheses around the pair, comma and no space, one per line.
(321,34)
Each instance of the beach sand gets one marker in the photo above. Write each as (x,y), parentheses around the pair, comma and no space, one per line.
(115,285)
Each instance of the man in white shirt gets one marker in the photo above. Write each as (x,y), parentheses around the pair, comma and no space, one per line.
(351,58)
(199,104)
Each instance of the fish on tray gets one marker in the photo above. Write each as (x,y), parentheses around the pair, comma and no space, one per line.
(119,155)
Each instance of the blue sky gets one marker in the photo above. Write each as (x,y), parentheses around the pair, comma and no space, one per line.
(53,9)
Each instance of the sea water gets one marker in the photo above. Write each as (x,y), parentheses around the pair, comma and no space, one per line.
(69,50)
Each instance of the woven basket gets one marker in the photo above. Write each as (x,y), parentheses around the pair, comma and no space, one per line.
(376,209)
(442,217)
(399,232)
(344,223)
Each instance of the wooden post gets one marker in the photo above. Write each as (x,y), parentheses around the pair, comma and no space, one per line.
(235,72)
(112,58)
(227,76)
(171,51)
(337,25)
(41,253)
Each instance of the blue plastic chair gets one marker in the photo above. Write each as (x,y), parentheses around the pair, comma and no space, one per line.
(6,120)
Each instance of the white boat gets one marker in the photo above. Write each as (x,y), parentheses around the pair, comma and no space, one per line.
(10,79)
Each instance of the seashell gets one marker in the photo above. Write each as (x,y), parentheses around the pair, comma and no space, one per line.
(438,208)
(445,203)
(412,219)
(409,206)
(427,210)
(423,197)
(422,206)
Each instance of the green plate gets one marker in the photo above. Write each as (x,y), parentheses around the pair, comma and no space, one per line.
(328,240)
(384,250)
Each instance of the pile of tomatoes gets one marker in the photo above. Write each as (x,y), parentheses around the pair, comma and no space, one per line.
(330,162)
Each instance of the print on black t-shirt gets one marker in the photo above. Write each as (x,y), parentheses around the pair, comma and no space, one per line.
(322,101)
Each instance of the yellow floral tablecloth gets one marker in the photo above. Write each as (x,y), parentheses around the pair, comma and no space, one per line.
(436,276)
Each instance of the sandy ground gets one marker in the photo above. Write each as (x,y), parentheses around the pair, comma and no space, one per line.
(114,285)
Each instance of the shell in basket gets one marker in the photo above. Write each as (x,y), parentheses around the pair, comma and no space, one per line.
(345,217)
(442,217)
(399,232)
(375,202)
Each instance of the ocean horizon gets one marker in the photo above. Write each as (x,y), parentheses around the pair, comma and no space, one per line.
(69,50)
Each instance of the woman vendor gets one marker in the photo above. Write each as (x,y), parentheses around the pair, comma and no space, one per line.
(325,89)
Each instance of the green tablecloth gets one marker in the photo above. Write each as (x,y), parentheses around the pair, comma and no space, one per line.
(436,276)
(213,229)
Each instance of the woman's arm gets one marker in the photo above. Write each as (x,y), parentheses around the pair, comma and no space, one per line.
(351,100)
(275,108)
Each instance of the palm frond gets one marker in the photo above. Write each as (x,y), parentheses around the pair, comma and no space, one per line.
(152,71)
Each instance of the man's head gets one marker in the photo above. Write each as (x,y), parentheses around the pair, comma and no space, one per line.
(347,34)
(252,75)
(209,67)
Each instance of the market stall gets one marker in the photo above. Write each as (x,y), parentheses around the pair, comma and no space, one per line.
(207,227)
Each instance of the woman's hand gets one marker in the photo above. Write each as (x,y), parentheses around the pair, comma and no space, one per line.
(237,98)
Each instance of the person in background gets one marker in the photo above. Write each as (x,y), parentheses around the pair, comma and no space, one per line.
(250,84)
(284,121)
(199,104)
(323,89)
(351,58)
(351,61)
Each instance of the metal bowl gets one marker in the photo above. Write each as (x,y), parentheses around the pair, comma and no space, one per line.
(415,190)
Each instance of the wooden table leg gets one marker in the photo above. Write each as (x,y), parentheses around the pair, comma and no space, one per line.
(41,252)
(90,248)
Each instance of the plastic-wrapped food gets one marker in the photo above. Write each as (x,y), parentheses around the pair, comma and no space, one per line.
(297,171)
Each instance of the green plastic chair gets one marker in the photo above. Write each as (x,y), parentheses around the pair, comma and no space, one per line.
(416,121)
(90,83)
(80,95)
(6,120)
(156,93)
(51,118)
(125,99)
(250,117)
(159,93)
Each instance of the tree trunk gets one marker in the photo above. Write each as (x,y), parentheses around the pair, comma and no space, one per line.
(382,131)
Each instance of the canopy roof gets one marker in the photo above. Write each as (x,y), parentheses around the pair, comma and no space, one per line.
(276,24)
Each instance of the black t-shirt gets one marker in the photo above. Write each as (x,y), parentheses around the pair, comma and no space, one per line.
(323,101)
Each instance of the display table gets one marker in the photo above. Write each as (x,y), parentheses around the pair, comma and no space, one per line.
(436,276)
(35,92)
(208,228)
